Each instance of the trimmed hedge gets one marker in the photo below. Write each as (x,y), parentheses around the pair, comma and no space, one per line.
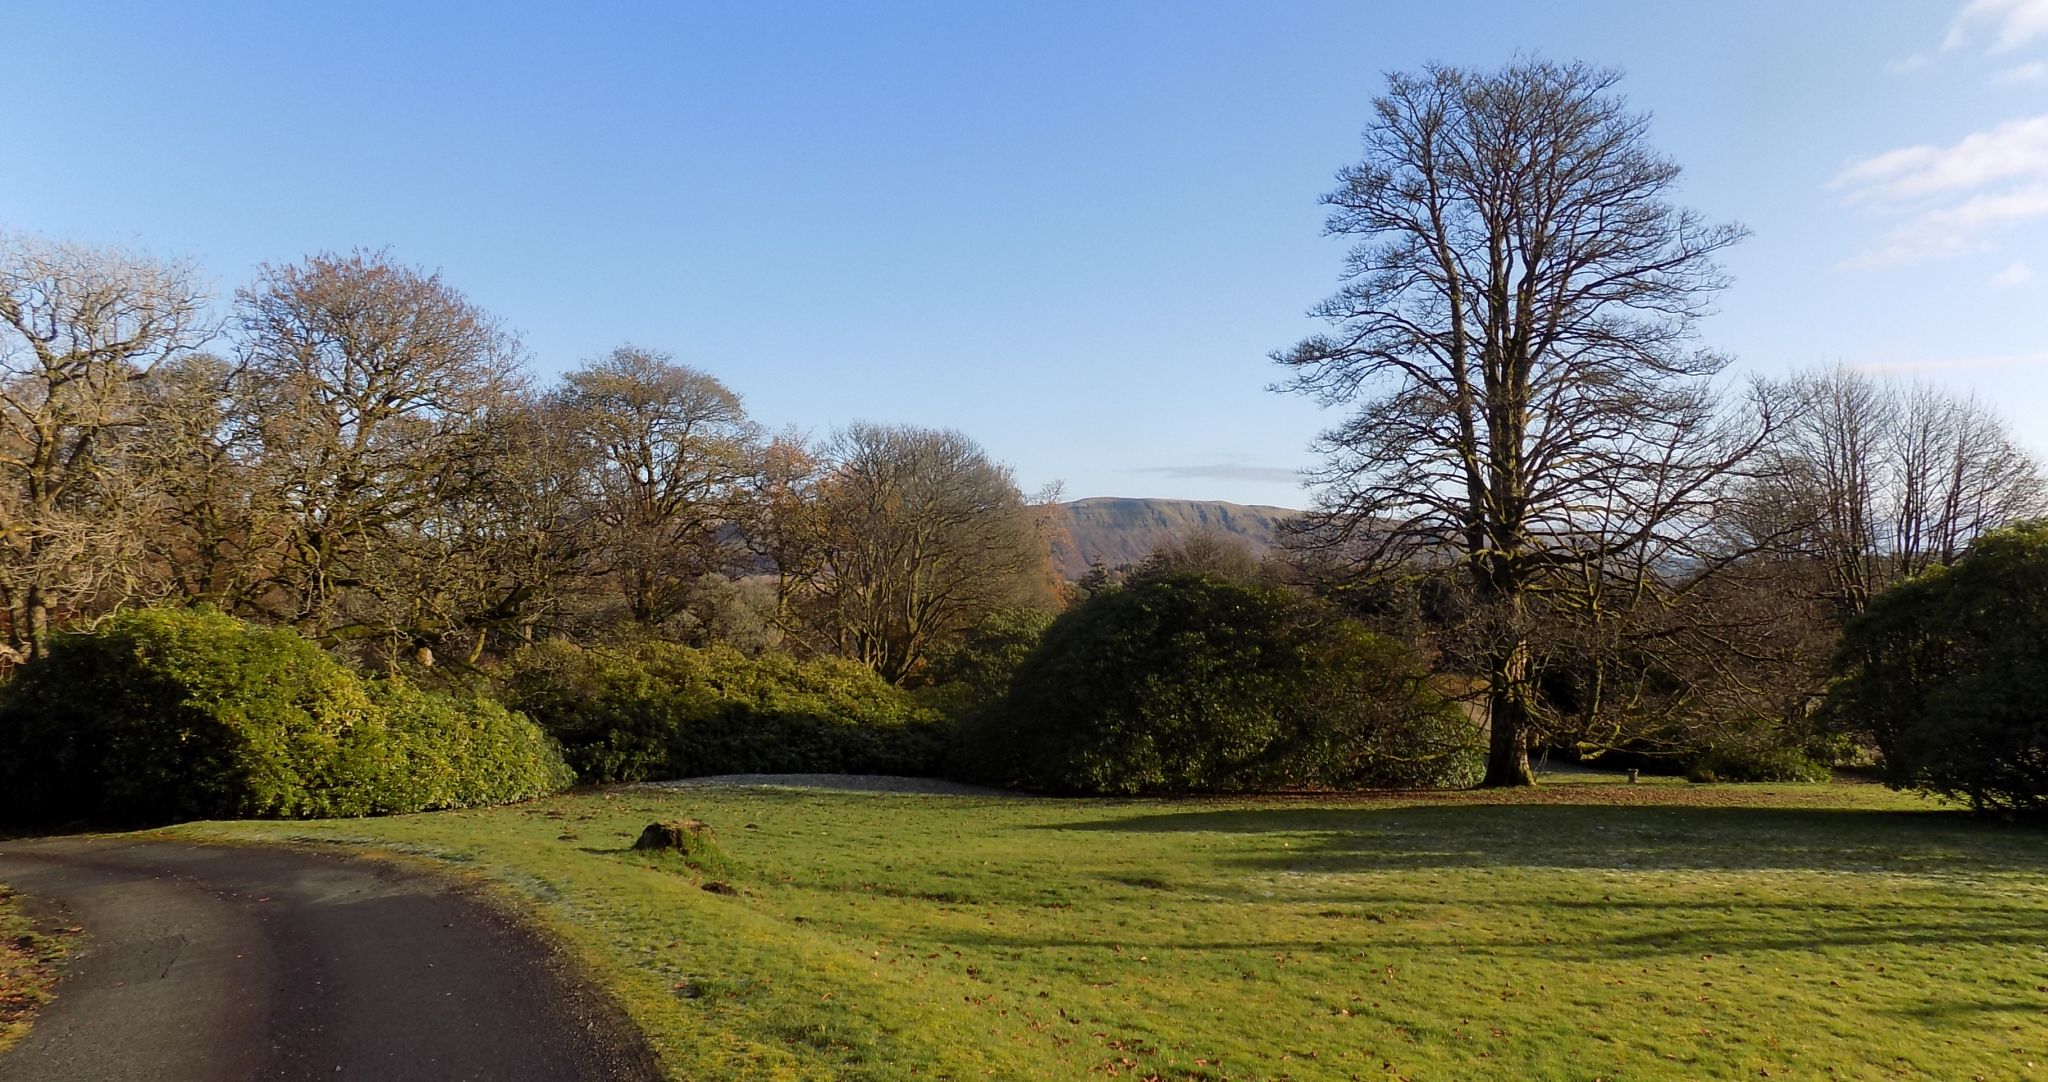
(651,710)
(189,713)
(1186,683)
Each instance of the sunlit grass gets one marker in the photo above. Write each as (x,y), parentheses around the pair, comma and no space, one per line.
(1576,932)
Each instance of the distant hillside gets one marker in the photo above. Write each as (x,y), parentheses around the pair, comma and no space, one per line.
(1123,531)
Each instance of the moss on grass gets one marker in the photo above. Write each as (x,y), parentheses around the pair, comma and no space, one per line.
(28,968)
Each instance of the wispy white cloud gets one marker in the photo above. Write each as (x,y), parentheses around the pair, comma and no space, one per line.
(2022,74)
(2007,24)
(1948,364)
(2016,148)
(1950,231)
(1224,471)
(1950,200)
(2016,273)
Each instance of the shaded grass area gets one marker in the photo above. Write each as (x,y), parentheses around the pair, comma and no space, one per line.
(1575,932)
(28,968)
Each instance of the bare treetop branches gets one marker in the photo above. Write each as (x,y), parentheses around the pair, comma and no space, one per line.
(1514,326)
(674,457)
(367,342)
(920,536)
(370,384)
(1876,481)
(79,327)
(1513,335)
(84,309)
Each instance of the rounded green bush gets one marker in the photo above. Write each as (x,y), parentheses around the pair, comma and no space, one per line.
(462,751)
(971,674)
(1185,683)
(189,713)
(1947,674)
(1752,763)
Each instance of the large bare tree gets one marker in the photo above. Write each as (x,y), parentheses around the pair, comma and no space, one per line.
(372,386)
(80,328)
(1513,338)
(196,454)
(497,551)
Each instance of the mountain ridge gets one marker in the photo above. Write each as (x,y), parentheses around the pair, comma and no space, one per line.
(1126,529)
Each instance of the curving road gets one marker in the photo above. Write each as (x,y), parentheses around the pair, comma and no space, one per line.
(212,964)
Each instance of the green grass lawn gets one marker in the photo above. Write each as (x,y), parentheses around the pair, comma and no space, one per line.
(1579,931)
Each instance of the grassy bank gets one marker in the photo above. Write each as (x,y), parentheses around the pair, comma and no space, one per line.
(1578,931)
(28,968)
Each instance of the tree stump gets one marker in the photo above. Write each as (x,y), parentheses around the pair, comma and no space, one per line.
(690,838)
(686,835)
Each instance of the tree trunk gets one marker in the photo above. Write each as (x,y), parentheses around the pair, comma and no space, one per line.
(36,617)
(1507,703)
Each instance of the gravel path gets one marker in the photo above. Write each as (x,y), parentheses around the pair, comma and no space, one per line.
(851,783)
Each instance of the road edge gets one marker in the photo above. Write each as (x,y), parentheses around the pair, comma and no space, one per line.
(35,939)
(590,996)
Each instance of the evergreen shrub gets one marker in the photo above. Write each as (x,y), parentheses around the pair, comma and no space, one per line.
(1187,683)
(652,709)
(171,713)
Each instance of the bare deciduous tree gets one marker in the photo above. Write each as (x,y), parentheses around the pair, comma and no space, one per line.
(675,452)
(1514,337)
(502,551)
(1204,552)
(371,384)
(921,537)
(1876,481)
(210,538)
(79,329)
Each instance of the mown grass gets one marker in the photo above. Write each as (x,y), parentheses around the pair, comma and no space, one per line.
(1574,932)
(28,968)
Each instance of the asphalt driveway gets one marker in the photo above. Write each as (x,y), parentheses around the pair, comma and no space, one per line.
(209,964)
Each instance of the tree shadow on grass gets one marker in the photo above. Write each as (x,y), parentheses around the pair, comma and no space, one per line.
(1948,1012)
(1631,934)
(1601,836)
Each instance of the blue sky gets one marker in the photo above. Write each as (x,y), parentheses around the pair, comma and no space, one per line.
(1071,231)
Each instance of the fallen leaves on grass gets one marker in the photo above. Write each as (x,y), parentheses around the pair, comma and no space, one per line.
(28,968)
